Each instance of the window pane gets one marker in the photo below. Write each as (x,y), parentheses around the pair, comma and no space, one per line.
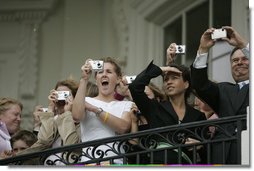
(173,34)
(221,13)
(197,23)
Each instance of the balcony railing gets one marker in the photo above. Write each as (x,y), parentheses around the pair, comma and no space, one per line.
(162,143)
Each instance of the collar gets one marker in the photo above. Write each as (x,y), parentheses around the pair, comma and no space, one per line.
(242,83)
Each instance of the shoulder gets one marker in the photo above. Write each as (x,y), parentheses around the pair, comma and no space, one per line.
(124,103)
(227,85)
(89,99)
(194,112)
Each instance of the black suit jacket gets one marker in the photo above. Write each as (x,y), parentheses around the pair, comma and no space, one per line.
(227,100)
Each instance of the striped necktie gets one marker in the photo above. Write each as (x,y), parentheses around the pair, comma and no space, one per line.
(242,84)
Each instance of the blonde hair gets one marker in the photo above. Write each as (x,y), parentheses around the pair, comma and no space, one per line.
(91,89)
(6,102)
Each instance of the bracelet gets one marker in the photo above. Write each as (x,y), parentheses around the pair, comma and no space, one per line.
(99,112)
(106,117)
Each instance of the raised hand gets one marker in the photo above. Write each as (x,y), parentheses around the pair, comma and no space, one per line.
(206,42)
(52,100)
(234,38)
(86,70)
(171,53)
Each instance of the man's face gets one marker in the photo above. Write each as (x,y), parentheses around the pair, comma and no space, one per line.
(239,66)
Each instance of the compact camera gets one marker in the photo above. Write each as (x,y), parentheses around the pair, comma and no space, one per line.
(62,95)
(219,33)
(130,79)
(180,49)
(97,65)
(44,109)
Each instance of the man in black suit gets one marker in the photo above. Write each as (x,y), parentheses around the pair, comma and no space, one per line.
(225,98)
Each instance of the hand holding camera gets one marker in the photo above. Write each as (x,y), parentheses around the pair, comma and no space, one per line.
(234,38)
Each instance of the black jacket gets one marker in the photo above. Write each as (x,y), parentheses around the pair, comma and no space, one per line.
(158,114)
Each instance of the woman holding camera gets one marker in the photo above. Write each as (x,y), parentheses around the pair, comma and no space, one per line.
(102,116)
(57,127)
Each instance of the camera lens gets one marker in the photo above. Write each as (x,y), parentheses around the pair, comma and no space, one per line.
(180,49)
(99,65)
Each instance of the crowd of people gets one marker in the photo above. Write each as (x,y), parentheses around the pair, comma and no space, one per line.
(112,106)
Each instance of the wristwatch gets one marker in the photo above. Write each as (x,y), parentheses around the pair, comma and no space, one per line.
(100,110)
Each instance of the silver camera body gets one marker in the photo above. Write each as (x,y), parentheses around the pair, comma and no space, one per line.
(130,79)
(180,49)
(63,95)
(97,65)
(219,33)
(44,109)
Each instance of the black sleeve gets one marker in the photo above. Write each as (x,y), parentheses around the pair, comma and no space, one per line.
(204,88)
(137,88)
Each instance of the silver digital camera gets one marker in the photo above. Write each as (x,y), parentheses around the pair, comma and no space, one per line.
(44,109)
(130,79)
(180,49)
(97,65)
(62,95)
(219,33)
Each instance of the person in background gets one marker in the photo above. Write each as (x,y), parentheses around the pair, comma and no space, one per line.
(10,119)
(92,91)
(22,140)
(208,111)
(205,108)
(226,99)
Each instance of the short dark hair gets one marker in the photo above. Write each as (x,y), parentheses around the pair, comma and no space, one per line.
(27,136)
(186,77)
(233,51)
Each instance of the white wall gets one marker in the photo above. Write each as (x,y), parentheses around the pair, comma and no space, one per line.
(66,34)
(75,31)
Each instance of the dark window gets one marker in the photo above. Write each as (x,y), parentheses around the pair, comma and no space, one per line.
(197,21)
(221,13)
(173,33)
